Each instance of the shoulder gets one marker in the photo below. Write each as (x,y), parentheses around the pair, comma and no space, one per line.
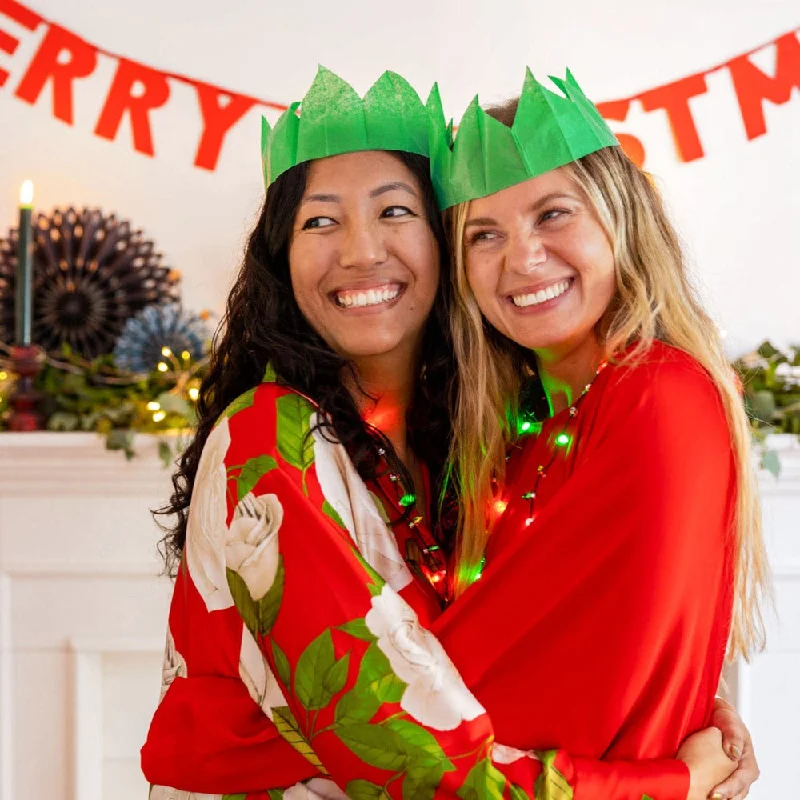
(665,401)
(664,378)
(267,416)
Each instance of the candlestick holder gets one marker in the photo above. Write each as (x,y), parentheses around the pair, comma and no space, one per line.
(27,362)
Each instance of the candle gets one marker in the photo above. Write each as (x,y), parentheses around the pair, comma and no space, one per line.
(24,287)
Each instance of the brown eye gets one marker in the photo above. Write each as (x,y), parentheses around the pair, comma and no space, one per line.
(397,211)
(318,222)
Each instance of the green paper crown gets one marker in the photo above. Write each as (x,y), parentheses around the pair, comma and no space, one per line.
(335,120)
(549,131)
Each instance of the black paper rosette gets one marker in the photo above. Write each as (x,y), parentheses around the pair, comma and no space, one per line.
(92,272)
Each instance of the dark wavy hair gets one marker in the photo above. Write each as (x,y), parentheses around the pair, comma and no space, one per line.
(263,325)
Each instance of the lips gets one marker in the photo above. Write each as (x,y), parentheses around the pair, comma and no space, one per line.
(365,297)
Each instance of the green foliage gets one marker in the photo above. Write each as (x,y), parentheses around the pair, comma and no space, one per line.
(96,396)
(771,390)
(771,382)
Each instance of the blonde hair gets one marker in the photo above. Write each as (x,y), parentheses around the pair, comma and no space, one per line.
(654,300)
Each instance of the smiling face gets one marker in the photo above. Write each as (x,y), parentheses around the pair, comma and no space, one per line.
(540,264)
(363,260)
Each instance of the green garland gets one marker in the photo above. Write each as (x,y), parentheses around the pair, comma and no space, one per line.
(771,390)
(97,396)
(771,382)
(80,395)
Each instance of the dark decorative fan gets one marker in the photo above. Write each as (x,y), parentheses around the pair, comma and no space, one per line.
(91,274)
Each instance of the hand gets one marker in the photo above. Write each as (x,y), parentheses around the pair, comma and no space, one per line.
(737,743)
(708,763)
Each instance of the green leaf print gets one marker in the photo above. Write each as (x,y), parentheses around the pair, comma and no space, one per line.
(421,781)
(336,677)
(518,793)
(374,745)
(242,402)
(356,706)
(376,684)
(282,665)
(270,604)
(484,782)
(551,783)
(358,629)
(364,790)
(234,797)
(312,666)
(426,760)
(288,728)
(275,794)
(377,676)
(252,471)
(328,509)
(421,745)
(295,442)
(245,605)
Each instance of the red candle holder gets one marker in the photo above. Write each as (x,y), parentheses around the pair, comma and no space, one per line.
(27,362)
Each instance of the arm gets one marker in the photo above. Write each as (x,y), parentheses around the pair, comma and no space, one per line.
(211,732)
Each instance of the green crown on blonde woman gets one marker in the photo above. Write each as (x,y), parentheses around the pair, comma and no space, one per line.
(549,131)
(333,119)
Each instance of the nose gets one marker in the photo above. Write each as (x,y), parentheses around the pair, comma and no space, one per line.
(363,246)
(526,253)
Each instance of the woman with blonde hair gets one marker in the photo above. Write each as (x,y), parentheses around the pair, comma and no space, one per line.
(603,418)
(367,695)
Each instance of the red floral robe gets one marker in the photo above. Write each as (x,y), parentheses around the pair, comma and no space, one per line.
(599,627)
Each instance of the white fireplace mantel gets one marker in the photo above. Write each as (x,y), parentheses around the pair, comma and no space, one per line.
(83,611)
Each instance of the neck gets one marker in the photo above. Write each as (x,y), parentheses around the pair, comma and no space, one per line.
(383,394)
(566,371)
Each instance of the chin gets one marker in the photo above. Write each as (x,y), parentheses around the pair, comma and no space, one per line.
(368,349)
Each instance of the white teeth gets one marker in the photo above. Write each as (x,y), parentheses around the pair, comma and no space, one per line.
(372,297)
(536,298)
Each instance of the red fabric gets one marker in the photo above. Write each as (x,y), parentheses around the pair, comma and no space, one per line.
(599,628)
(617,598)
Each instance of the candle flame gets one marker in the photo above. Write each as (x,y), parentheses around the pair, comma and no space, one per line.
(26,194)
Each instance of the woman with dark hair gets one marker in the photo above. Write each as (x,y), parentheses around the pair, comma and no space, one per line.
(325,416)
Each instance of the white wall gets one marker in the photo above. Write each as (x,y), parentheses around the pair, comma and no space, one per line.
(738,207)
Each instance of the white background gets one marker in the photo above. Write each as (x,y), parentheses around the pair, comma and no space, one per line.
(738,208)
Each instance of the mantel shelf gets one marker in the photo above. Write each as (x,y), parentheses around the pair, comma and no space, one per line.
(70,463)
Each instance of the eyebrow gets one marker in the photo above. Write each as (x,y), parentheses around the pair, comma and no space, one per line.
(322,198)
(537,205)
(390,187)
(377,192)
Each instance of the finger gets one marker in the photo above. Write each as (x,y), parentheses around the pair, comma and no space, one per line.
(730,787)
(733,732)
(742,778)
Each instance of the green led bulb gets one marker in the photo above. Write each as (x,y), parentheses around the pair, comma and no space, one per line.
(408,500)
(562,439)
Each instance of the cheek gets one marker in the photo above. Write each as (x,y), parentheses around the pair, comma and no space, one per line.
(422,256)
(593,257)
(482,279)
(305,271)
